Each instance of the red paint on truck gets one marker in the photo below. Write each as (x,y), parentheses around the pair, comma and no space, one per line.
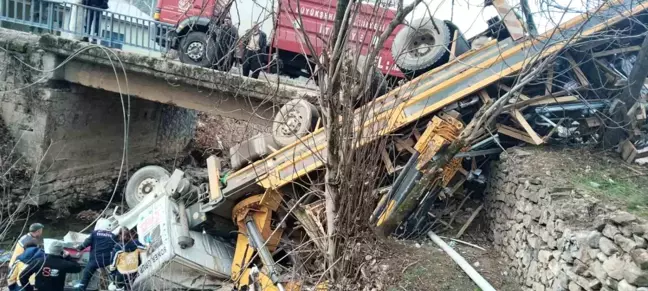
(317,17)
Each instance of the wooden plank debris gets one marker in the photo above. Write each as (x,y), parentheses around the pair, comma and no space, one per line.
(628,151)
(582,78)
(470,220)
(537,140)
(514,133)
(616,51)
(387,161)
(405,144)
(310,225)
(485,97)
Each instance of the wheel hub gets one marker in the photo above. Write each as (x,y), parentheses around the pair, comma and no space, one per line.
(292,123)
(422,43)
(146,187)
(195,50)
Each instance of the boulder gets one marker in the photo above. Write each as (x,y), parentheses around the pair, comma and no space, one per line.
(593,239)
(640,257)
(614,266)
(622,217)
(610,231)
(607,246)
(635,276)
(625,243)
(625,286)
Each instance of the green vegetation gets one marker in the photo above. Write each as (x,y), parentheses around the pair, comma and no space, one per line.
(629,191)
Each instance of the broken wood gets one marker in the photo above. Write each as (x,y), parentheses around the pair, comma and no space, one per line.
(452,218)
(405,144)
(387,161)
(470,220)
(582,78)
(616,51)
(485,97)
(537,140)
(628,151)
(313,229)
(446,224)
(514,133)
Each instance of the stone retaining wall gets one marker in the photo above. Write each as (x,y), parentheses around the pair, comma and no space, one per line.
(556,237)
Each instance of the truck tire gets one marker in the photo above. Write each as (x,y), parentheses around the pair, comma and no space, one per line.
(198,49)
(295,119)
(421,46)
(143,182)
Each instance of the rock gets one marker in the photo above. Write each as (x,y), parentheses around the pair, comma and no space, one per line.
(599,222)
(642,289)
(538,287)
(574,287)
(607,246)
(635,276)
(625,286)
(544,256)
(640,257)
(638,229)
(593,239)
(579,267)
(613,266)
(641,242)
(417,245)
(601,257)
(610,231)
(368,258)
(596,268)
(561,282)
(476,264)
(594,284)
(625,243)
(622,217)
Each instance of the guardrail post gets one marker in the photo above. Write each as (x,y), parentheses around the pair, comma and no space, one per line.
(50,17)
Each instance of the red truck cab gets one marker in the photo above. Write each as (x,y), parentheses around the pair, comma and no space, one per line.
(205,35)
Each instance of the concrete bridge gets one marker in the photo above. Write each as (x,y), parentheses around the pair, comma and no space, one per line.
(62,101)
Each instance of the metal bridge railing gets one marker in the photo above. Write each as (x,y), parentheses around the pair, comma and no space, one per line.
(76,21)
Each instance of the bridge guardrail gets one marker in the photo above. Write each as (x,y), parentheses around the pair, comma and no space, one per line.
(76,21)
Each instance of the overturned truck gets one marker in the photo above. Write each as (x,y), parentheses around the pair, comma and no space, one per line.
(229,230)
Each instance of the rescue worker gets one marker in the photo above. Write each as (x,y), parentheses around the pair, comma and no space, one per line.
(101,242)
(255,42)
(51,270)
(31,253)
(33,238)
(125,260)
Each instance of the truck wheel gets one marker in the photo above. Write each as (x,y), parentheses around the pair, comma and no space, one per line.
(197,49)
(295,119)
(143,182)
(421,46)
